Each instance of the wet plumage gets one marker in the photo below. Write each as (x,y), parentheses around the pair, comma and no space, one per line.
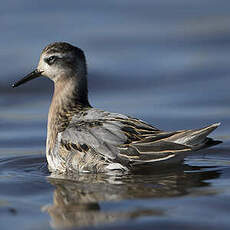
(81,138)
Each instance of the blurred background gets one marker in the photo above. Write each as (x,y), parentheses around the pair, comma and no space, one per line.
(166,62)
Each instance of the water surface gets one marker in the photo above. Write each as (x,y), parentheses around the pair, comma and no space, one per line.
(166,62)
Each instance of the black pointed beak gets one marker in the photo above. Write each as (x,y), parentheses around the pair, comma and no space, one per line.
(28,77)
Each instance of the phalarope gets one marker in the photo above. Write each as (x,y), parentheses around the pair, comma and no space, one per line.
(81,138)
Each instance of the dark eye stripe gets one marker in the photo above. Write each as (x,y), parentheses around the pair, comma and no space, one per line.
(50,60)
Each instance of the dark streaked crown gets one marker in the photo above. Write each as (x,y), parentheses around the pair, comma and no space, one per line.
(63,47)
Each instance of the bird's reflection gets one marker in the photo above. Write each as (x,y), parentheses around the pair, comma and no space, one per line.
(80,200)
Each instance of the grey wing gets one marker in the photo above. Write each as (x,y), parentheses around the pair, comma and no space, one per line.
(115,137)
(102,136)
(92,139)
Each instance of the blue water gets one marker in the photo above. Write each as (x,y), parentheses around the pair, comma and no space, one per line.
(166,62)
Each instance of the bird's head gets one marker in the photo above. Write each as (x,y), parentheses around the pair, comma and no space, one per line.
(58,60)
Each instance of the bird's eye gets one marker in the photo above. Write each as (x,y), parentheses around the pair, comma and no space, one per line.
(50,60)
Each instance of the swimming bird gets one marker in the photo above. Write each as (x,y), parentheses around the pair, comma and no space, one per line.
(81,138)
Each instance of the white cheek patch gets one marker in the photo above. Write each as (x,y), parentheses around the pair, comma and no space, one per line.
(52,71)
(43,66)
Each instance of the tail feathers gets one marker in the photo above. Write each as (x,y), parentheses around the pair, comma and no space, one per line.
(210,142)
(197,138)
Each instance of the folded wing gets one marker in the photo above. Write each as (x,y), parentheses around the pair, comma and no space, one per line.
(117,137)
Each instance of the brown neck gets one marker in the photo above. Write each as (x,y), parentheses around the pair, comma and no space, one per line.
(70,97)
(70,92)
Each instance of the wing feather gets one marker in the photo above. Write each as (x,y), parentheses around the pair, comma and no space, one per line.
(114,136)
